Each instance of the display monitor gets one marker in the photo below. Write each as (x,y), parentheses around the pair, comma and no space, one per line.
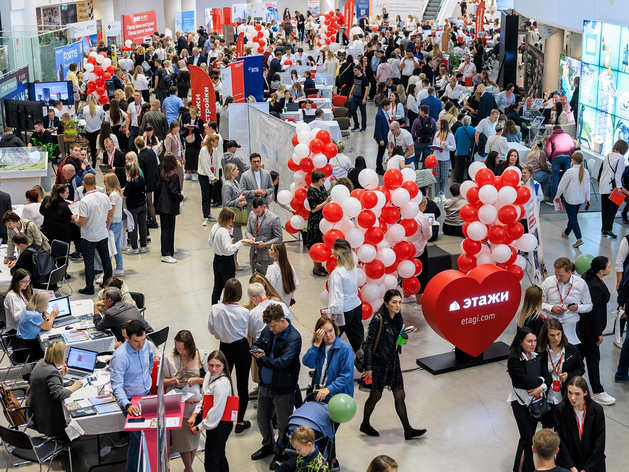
(22,114)
(47,93)
(569,68)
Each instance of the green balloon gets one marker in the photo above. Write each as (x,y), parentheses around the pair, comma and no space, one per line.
(341,408)
(583,263)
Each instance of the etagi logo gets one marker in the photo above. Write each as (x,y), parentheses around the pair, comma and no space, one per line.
(481,301)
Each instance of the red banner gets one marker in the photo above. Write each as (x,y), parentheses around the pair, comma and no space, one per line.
(240,45)
(238,81)
(480,19)
(217,20)
(138,26)
(348,15)
(227,15)
(203,96)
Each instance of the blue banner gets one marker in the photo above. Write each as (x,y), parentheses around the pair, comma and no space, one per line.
(66,55)
(178,22)
(254,85)
(187,20)
(362,8)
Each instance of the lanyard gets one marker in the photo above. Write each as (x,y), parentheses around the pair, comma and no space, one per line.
(111,158)
(581,424)
(563,298)
(259,223)
(558,368)
(23,298)
(91,191)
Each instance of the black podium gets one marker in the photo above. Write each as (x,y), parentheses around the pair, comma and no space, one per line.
(458,360)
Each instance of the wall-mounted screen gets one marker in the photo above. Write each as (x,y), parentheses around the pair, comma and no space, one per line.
(569,68)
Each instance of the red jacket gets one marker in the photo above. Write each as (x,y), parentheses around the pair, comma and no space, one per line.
(558,143)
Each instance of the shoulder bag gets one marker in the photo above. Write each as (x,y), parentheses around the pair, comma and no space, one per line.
(359,359)
(539,405)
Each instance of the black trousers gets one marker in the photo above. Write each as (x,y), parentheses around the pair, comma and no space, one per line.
(379,158)
(548,420)
(526,426)
(146,95)
(88,248)
(453,230)
(353,327)
(167,226)
(215,442)
(206,194)
(237,354)
(412,116)
(92,138)
(608,212)
(459,168)
(224,269)
(405,81)
(592,355)
(373,85)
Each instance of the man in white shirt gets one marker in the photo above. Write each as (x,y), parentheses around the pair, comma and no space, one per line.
(401,137)
(218,86)
(92,219)
(423,92)
(58,109)
(133,112)
(487,126)
(454,90)
(498,142)
(318,121)
(407,66)
(396,72)
(468,69)
(258,296)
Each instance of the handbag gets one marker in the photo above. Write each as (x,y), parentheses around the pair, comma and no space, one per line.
(539,405)
(242,216)
(12,413)
(359,359)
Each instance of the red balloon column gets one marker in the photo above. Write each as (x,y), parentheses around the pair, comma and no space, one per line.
(257,37)
(330,24)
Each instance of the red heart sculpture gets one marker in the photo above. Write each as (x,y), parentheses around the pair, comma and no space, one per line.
(472,310)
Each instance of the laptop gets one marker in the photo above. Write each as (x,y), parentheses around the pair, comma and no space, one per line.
(172,401)
(81,363)
(292,106)
(65,313)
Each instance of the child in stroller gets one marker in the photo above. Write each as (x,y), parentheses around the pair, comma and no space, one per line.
(308,457)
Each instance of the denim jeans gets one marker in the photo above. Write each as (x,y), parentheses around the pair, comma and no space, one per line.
(573,224)
(560,163)
(543,178)
(420,155)
(358,103)
(116,228)
(88,248)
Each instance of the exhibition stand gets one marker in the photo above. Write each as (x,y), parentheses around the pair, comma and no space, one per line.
(21,169)
(458,360)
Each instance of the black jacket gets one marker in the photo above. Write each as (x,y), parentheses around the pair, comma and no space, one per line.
(57,221)
(45,137)
(593,324)
(168,196)
(134,193)
(572,364)
(5,205)
(285,362)
(25,261)
(520,378)
(574,102)
(588,452)
(276,66)
(148,163)
(10,140)
(535,324)
(487,103)
(387,343)
(119,163)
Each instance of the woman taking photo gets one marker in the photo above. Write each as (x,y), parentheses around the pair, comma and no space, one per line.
(46,392)
(580,423)
(218,383)
(17,298)
(33,320)
(611,179)
(136,204)
(529,378)
(221,242)
(114,217)
(531,316)
(574,189)
(443,143)
(343,298)
(317,198)
(57,216)
(281,274)
(382,363)
(193,135)
(174,146)
(562,360)
(232,196)
(93,115)
(228,323)
(168,197)
(208,162)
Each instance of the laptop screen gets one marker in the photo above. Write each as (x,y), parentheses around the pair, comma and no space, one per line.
(61,304)
(82,359)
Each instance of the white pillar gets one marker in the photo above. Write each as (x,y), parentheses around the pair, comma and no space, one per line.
(170,8)
(553,48)
(104,9)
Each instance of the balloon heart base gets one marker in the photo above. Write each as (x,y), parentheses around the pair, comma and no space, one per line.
(458,360)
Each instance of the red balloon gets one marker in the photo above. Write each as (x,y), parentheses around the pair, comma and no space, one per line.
(390,214)
(411,187)
(91,86)
(258,27)
(288,62)
(260,35)
(365,219)
(410,286)
(316,146)
(103,53)
(374,236)
(260,50)
(101,91)
(484,177)
(320,252)
(305,214)
(468,213)
(262,42)
(382,225)
(404,250)
(368,199)
(516,270)
(375,269)
(327,170)
(471,247)
(385,191)
(330,265)
(515,230)
(290,228)
(367,310)
(306,165)
(466,262)
(497,234)
(392,268)
(91,60)
(331,236)
(103,100)
(100,82)
(292,166)
(295,141)
(514,256)
(524,194)
(410,226)
(106,76)
(329,149)
(418,266)
(323,136)
(510,178)
(393,179)
(296,204)
(507,215)
(334,213)
(98,70)
(472,195)
(464,228)
(430,162)
(357,193)
(374,29)
(497,182)
(111,69)
(300,195)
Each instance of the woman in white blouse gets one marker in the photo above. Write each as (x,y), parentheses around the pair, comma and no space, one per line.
(224,250)
(93,116)
(396,111)
(574,187)
(228,322)
(17,298)
(443,143)
(218,384)
(141,83)
(117,119)
(281,274)
(344,305)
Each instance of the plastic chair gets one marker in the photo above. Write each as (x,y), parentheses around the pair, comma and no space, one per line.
(313,95)
(158,337)
(56,278)
(40,449)
(311,91)
(338,100)
(140,301)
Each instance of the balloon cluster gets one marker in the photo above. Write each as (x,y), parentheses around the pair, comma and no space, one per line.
(127,45)
(256,34)
(97,70)
(330,24)
(493,233)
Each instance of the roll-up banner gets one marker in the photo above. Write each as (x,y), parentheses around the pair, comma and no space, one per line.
(203,96)
(253,76)
(139,25)
(480,18)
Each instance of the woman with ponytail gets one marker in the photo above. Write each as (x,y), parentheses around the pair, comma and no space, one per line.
(574,189)
(281,274)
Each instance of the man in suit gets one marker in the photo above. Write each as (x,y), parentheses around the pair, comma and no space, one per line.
(487,103)
(115,158)
(51,122)
(309,84)
(197,58)
(267,83)
(276,65)
(182,43)
(265,228)
(5,205)
(117,79)
(256,182)
(380,133)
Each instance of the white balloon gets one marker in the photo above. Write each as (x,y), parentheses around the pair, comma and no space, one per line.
(390,281)
(370,292)
(99,59)
(355,238)
(501,253)
(241,29)
(382,200)
(302,150)
(325,226)
(292,187)
(375,306)
(320,160)
(299,176)
(94,53)
(284,197)
(526,243)
(386,256)
(400,197)
(477,231)
(339,193)
(409,210)
(298,222)
(366,253)
(313,132)
(488,194)
(487,214)
(307,205)
(521,262)
(90,76)
(302,127)
(384,244)
(378,282)
(484,249)
(344,225)
(377,211)
(373,184)
(361,276)
(383,289)
(296,159)
(408,174)
(351,207)
(250,29)
(89,67)
(366,176)
(303,137)
(406,269)
(128,43)
(475,167)
(465,186)
(322,36)
(507,195)
(395,233)
(106,63)
(485,258)
(324,298)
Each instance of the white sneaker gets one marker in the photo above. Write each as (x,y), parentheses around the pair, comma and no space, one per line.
(175,251)
(132,251)
(206,221)
(195,177)
(603,398)
(99,280)
(169,259)
(443,198)
(142,250)
(618,344)
(187,177)
(418,307)
(410,299)
(119,273)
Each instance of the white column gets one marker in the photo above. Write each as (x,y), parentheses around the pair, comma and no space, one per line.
(170,8)
(104,9)
(553,48)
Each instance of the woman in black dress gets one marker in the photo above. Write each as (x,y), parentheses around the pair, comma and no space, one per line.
(359,165)
(317,198)
(382,363)
(346,76)
(192,135)
(183,80)
(57,216)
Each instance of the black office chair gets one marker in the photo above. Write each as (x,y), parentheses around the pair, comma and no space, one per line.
(39,449)
(158,337)
(140,301)
(16,355)
(56,279)
(60,251)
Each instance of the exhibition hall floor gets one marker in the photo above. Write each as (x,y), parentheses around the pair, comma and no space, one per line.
(470,424)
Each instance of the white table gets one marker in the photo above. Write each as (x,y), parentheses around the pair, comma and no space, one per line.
(325,91)
(298,115)
(333,126)
(5,271)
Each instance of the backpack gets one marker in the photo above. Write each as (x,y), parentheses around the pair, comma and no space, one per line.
(480,147)
(424,133)
(43,265)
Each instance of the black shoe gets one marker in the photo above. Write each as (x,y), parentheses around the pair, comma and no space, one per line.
(277,461)
(67,276)
(153,225)
(414,433)
(242,427)
(253,394)
(311,373)
(609,234)
(262,453)
(319,273)
(86,291)
(334,464)
(625,220)
(369,430)
(355,128)
(363,129)
(216,204)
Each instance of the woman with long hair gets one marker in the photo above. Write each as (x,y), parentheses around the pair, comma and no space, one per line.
(511,133)
(168,198)
(57,216)
(382,363)
(560,117)
(611,179)
(317,198)
(574,187)
(512,160)
(192,133)
(184,367)
(105,132)
(141,83)
(232,196)
(229,322)
(381,94)
(531,315)
(218,384)
(183,80)
(208,163)
(114,217)
(174,146)
(412,105)
(135,196)
(443,78)
(16,299)
(396,111)
(443,143)
(359,165)
(117,119)
(33,320)
(93,115)
(346,76)
(281,274)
